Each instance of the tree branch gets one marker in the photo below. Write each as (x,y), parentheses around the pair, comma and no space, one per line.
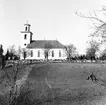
(90,17)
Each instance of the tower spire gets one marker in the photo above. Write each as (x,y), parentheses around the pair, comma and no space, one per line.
(27,21)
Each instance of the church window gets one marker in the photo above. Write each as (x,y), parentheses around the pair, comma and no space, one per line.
(31,53)
(24,44)
(25,36)
(59,53)
(52,53)
(25,28)
(38,53)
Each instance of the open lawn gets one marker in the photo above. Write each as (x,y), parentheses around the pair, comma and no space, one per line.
(69,84)
(64,83)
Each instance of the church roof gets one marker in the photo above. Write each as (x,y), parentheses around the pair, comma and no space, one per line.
(44,43)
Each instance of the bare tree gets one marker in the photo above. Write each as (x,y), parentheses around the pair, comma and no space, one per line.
(46,49)
(2,57)
(15,95)
(103,55)
(92,50)
(98,23)
(12,51)
(70,51)
(10,78)
(25,53)
(19,51)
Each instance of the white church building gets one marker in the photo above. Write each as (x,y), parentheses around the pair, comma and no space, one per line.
(36,48)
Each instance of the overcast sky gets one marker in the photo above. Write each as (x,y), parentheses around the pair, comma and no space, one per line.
(49,19)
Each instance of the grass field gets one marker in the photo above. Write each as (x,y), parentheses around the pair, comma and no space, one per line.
(69,82)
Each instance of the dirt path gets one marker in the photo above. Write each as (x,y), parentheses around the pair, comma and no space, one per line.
(21,81)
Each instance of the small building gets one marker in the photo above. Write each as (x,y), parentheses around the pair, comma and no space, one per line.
(41,49)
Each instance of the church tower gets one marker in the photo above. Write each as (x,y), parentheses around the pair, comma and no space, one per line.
(26,35)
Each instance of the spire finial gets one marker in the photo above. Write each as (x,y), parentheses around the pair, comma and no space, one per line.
(27,21)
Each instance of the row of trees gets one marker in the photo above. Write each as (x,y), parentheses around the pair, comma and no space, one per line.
(13,54)
(91,52)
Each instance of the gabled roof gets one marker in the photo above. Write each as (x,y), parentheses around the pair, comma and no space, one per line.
(43,43)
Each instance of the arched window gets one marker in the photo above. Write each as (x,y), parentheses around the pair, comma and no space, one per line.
(25,36)
(25,28)
(59,53)
(38,53)
(52,53)
(31,53)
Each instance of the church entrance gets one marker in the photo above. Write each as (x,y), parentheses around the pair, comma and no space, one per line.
(46,55)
